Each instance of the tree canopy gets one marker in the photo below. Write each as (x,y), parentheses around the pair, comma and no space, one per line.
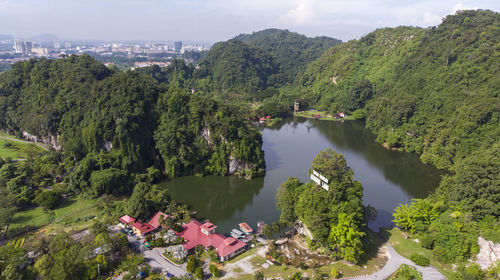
(336,218)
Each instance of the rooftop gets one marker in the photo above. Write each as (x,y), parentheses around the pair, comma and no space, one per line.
(127,219)
(194,237)
(144,228)
(155,221)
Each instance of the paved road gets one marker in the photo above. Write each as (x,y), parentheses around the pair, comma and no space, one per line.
(395,261)
(155,260)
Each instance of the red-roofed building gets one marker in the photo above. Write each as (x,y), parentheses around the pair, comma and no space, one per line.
(126,220)
(142,229)
(155,221)
(196,233)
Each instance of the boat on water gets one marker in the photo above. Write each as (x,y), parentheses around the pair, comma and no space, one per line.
(234,235)
(246,228)
(238,232)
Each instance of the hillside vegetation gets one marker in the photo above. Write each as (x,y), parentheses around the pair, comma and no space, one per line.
(111,125)
(254,65)
(336,218)
(291,51)
(434,92)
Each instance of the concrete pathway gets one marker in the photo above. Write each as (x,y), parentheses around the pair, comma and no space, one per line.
(395,261)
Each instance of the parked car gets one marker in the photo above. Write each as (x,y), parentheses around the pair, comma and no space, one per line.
(168,274)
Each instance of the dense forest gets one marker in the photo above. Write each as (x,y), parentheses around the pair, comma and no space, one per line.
(431,91)
(291,51)
(108,125)
(336,218)
(434,92)
(254,64)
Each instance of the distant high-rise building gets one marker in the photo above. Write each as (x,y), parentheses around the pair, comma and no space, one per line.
(22,47)
(178,46)
(19,46)
(57,45)
(67,45)
(28,46)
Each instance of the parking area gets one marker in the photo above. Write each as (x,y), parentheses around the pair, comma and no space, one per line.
(153,256)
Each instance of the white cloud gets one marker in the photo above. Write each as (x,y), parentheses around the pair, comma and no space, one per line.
(461,7)
(302,13)
(432,19)
(221,19)
(4,4)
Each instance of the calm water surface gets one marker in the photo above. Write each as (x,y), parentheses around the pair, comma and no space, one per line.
(388,177)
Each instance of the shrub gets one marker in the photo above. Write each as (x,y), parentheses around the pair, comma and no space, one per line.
(419,260)
(258,276)
(47,199)
(334,273)
(191,264)
(199,273)
(427,241)
(214,270)
(439,253)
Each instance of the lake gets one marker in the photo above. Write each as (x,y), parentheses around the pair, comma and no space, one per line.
(388,177)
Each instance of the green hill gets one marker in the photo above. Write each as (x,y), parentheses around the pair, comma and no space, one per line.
(250,63)
(111,124)
(431,91)
(236,66)
(290,50)
(435,92)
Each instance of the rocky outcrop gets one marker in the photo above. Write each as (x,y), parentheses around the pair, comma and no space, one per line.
(488,254)
(107,146)
(205,133)
(303,230)
(235,165)
(51,140)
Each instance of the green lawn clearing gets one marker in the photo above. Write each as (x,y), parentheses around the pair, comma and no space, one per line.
(371,264)
(324,115)
(16,150)
(408,246)
(68,212)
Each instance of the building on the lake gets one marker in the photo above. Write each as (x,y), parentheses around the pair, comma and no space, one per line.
(196,233)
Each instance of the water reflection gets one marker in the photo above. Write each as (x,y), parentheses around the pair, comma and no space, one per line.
(215,197)
(388,177)
(403,169)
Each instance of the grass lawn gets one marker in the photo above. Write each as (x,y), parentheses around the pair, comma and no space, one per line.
(16,150)
(241,256)
(66,212)
(405,272)
(370,265)
(324,115)
(407,247)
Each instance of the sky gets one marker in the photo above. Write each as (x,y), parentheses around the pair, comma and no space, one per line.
(216,20)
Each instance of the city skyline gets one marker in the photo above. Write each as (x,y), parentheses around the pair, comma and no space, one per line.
(191,20)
